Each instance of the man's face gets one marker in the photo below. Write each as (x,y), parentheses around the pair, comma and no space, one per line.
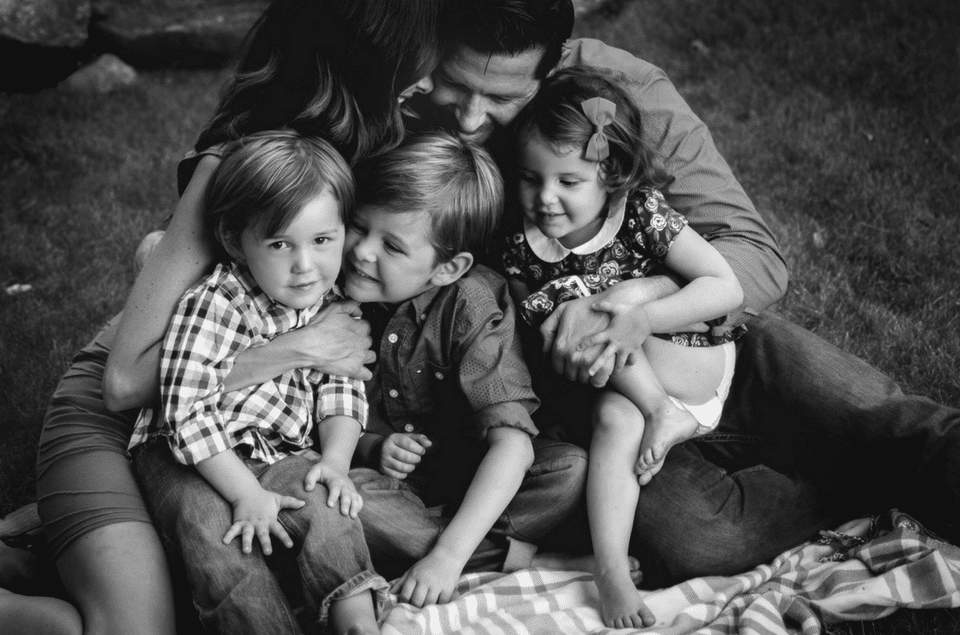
(477,94)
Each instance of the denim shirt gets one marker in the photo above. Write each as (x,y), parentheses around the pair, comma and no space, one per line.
(449,365)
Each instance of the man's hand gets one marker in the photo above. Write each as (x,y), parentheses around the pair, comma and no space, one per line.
(432,580)
(563,335)
(622,339)
(256,515)
(339,487)
(402,452)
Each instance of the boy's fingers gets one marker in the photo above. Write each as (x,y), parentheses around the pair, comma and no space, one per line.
(246,538)
(232,533)
(333,493)
(263,536)
(289,502)
(281,533)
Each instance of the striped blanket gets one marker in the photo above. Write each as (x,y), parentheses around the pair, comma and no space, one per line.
(861,571)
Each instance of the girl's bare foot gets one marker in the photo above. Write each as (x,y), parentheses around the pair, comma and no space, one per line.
(28,615)
(586,563)
(620,604)
(671,424)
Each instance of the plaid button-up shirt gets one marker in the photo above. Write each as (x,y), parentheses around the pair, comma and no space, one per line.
(216,320)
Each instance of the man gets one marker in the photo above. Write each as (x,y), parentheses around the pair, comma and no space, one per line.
(811,436)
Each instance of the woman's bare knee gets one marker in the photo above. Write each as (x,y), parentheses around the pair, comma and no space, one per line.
(119,579)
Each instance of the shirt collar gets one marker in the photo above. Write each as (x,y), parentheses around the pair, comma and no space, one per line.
(268,306)
(550,250)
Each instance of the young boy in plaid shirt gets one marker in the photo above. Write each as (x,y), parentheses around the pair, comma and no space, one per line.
(276,205)
(453,478)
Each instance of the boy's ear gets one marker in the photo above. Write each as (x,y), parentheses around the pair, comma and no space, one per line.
(231,245)
(452,270)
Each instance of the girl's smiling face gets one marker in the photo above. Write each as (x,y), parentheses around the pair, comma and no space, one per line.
(560,191)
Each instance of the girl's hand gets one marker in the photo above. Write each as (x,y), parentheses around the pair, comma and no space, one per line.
(337,342)
(623,337)
(339,487)
(432,580)
(256,515)
(401,452)
(564,344)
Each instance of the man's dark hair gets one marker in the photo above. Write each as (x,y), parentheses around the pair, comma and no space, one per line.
(510,27)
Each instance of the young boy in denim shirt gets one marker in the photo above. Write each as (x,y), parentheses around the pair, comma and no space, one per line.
(455,477)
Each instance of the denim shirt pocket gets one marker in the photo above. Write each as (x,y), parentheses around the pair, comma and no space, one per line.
(425,386)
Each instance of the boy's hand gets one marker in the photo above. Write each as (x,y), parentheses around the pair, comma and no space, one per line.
(256,515)
(401,452)
(339,486)
(432,580)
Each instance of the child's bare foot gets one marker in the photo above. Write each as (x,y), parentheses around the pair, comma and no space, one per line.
(669,425)
(586,563)
(620,605)
(28,615)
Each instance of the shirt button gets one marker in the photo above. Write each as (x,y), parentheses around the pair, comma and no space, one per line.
(408,427)
(438,375)
(392,338)
(423,316)
(393,392)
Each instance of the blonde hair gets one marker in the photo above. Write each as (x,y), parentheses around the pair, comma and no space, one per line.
(455,181)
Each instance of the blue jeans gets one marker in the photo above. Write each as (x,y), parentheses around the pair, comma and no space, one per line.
(811,436)
(239,593)
(401,529)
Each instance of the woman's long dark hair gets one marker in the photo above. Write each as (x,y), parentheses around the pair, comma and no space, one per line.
(331,69)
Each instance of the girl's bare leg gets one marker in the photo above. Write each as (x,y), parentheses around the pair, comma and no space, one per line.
(354,615)
(586,563)
(666,423)
(612,493)
(118,577)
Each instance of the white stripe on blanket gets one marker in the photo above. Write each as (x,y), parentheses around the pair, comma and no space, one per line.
(798,592)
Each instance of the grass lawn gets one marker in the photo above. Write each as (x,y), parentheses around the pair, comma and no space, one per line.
(842,120)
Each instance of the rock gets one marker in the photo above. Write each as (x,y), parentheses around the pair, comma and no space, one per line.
(49,23)
(586,7)
(105,74)
(174,33)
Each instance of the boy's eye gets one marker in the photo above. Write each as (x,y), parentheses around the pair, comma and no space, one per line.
(568,182)
(277,245)
(528,178)
(393,248)
(321,240)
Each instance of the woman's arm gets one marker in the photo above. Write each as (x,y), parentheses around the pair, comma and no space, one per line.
(335,343)
(132,376)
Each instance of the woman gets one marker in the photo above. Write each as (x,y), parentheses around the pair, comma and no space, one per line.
(337,69)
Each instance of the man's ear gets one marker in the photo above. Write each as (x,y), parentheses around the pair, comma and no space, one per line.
(452,270)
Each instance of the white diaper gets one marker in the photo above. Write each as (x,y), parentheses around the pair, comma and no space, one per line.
(708,414)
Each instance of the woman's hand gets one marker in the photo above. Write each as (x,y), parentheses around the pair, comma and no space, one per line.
(337,341)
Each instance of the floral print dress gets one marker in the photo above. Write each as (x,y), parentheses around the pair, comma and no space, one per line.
(632,243)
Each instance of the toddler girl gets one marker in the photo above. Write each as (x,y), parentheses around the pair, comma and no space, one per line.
(593,216)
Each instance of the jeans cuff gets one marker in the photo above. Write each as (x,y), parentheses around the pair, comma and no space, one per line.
(365,581)
(519,555)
